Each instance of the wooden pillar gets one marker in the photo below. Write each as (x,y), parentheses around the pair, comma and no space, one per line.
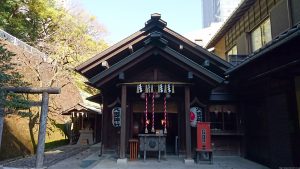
(72,127)
(42,131)
(1,122)
(187,122)
(123,122)
(2,114)
(95,127)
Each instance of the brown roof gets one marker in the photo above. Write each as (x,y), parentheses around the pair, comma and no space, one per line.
(136,44)
(81,108)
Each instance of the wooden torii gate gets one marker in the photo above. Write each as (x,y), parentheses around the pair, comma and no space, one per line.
(43,115)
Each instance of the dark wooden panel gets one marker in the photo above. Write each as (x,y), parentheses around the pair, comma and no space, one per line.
(295,6)
(257,13)
(111,138)
(279,130)
(187,123)
(226,145)
(280,20)
(243,44)
(263,8)
(123,122)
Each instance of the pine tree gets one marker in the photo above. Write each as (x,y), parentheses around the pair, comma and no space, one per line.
(10,78)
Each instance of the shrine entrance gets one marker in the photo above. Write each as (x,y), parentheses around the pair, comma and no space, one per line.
(172,135)
(165,118)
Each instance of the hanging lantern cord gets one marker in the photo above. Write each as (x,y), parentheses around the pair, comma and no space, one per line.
(165,113)
(146,112)
(153,130)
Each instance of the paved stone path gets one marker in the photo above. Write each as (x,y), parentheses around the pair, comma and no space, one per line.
(109,161)
(84,160)
(72,157)
(51,157)
(173,162)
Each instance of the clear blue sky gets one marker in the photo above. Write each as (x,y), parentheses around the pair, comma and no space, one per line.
(124,17)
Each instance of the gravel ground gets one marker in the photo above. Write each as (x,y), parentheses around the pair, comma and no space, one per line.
(51,157)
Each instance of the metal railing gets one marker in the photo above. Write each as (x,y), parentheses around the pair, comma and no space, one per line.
(17,42)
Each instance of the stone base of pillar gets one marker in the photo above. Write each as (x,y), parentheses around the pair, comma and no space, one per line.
(189,161)
(122,161)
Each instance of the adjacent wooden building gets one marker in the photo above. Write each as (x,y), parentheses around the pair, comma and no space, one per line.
(262,39)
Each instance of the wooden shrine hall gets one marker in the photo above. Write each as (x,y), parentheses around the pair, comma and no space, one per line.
(157,82)
(85,127)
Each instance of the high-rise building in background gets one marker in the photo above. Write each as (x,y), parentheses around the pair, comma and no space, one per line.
(215,11)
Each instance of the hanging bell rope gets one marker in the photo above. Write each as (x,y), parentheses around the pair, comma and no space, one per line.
(165,113)
(152,129)
(146,112)
(167,89)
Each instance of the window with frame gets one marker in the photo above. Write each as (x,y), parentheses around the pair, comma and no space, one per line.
(223,117)
(261,35)
(232,51)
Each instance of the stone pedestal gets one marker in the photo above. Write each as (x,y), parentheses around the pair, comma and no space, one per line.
(189,161)
(122,161)
(86,137)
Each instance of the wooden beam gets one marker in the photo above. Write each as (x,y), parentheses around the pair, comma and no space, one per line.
(156,83)
(42,131)
(123,122)
(110,55)
(194,65)
(95,127)
(155,74)
(124,68)
(188,68)
(35,104)
(169,54)
(1,123)
(121,63)
(32,90)
(2,114)
(187,122)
